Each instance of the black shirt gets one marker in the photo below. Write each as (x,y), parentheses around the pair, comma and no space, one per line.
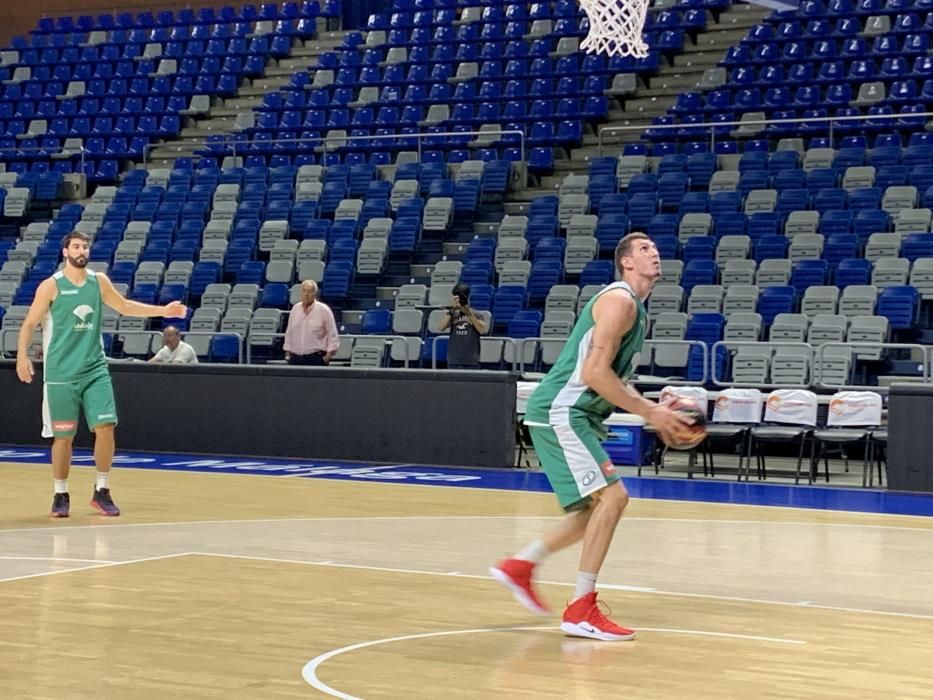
(463,346)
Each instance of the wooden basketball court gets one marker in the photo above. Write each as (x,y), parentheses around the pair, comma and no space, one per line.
(229,586)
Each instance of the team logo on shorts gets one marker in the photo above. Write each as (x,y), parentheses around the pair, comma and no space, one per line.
(63,425)
(589,478)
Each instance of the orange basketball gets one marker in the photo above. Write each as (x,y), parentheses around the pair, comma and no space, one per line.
(690,436)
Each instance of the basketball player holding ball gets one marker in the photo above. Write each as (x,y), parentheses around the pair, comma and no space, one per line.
(565,417)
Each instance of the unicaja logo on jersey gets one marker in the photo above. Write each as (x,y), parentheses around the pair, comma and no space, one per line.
(82,312)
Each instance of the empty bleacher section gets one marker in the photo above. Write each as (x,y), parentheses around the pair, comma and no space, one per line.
(87,94)
(446,142)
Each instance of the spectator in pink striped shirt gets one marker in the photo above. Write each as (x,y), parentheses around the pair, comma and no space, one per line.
(311,337)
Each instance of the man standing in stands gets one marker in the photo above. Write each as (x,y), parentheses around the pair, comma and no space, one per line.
(75,377)
(465,331)
(175,351)
(311,337)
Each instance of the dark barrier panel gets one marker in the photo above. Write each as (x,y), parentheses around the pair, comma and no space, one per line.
(419,416)
(355,13)
(910,437)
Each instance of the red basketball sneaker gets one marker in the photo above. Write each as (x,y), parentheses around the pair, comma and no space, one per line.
(515,574)
(583,618)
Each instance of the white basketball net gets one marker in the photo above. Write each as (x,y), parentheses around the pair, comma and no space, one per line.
(615,27)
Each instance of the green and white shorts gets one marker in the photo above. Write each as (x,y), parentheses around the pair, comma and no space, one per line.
(574,460)
(62,402)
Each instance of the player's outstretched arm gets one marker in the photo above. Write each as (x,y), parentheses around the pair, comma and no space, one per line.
(45,295)
(614,315)
(127,307)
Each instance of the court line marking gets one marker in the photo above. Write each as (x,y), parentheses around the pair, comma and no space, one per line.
(309,671)
(108,565)
(393,570)
(53,530)
(422,572)
(607,586)
(353,518)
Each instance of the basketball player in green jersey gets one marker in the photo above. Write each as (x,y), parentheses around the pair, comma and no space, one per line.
(69,305)
(565,416)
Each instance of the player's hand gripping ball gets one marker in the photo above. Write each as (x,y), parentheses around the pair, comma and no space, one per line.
(688,436)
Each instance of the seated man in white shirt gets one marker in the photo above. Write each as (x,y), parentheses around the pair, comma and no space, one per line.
(175,350)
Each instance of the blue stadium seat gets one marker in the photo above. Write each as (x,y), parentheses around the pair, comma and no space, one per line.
(775,300)
(224,349)
(900,305)
(377,321)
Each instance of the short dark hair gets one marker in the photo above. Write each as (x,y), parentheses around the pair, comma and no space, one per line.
(66,241)
(626,243)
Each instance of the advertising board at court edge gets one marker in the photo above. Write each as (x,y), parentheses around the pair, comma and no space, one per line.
(233,465)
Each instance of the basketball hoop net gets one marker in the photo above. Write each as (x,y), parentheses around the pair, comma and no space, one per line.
(615,27)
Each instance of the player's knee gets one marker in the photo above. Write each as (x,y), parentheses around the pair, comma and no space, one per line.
(615,498)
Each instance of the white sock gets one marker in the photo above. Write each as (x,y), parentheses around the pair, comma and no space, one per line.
(534,552)
(103,480)
(586,583)
(61,485)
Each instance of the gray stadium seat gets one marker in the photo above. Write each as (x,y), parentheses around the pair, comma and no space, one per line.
(705,298)
(791,366)
(773,272)
(890,272)
(513,226)
(760,200)
(411,295)
(628,167)
(740,298)
(882,245)
(694,224)
(858,300)
(738,272)
(750,367)
(790,328)
(665,297)
(743,326)
(867,329)
(670,326)
(817,158)
(858,176)
(819,300)
(671,271)
(801,222)
(562,297)
(806,246)
(733,248)
(827,328)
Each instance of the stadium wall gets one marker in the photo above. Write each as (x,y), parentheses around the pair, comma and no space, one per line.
(416,416)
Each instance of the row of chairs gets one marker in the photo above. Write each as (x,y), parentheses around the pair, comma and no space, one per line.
(50,27)
(748,420)
(845,8)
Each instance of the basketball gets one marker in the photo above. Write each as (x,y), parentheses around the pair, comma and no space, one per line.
(690,436)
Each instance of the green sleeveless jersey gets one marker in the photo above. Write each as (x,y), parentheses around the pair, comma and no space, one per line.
(562,396)
(71,341)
